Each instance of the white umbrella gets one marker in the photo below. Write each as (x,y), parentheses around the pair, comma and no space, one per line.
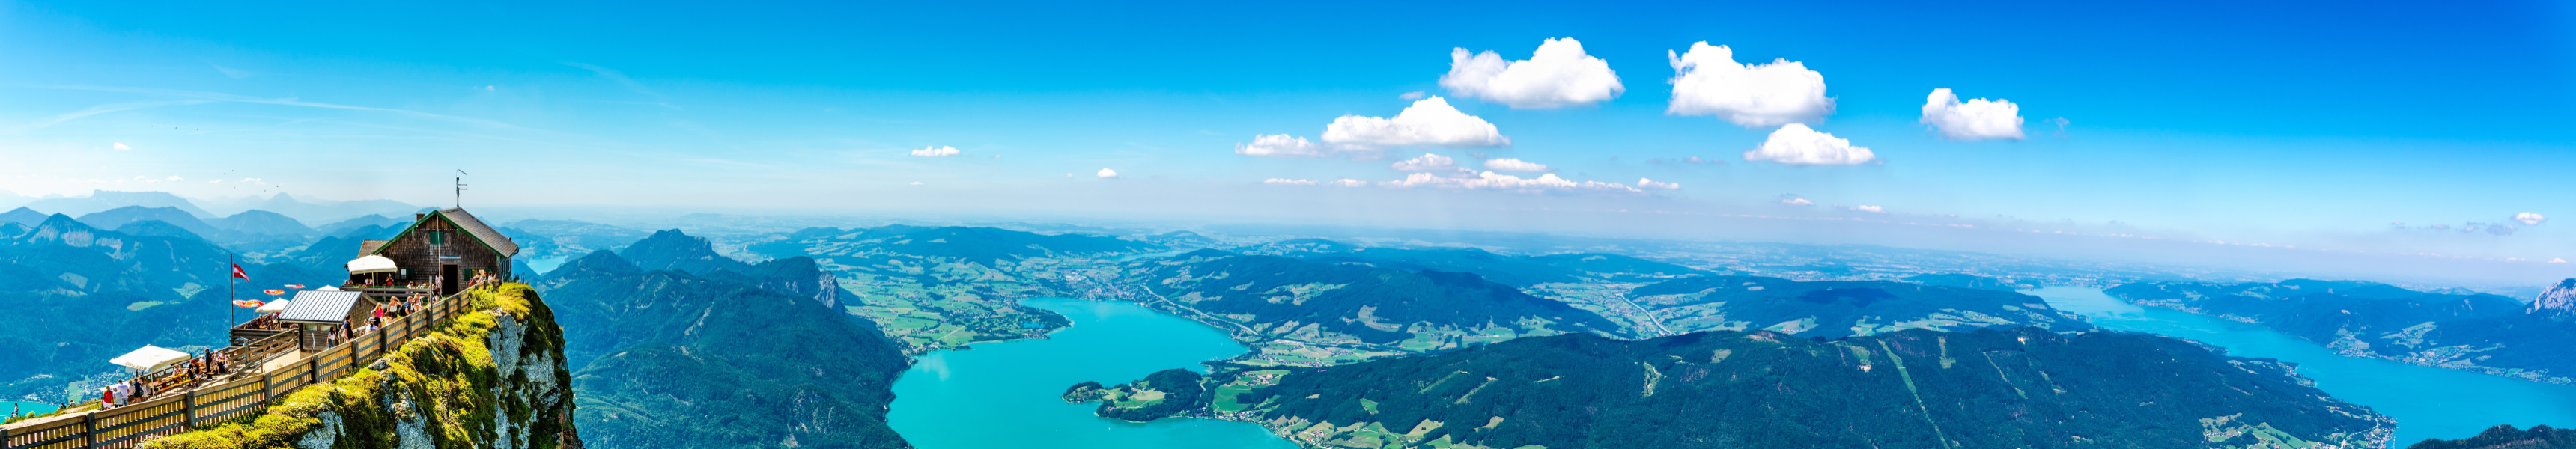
(273,306)
(371,264)
(149,358)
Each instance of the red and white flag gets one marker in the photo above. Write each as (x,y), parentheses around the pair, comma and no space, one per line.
(238,273)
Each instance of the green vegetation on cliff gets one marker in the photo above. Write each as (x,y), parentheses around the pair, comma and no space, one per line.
(492,377)
(2016,388)
(1305,310)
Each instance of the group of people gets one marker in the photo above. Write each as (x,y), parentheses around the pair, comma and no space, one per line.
(204,366)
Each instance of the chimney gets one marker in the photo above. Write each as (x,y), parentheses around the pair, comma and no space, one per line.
(416,217)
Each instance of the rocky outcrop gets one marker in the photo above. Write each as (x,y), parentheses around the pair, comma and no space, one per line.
(493,378)
(2558,302)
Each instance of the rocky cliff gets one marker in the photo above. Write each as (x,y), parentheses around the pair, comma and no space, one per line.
(493,378)
(2558,301)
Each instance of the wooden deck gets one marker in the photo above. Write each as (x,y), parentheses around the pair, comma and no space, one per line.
(281,370)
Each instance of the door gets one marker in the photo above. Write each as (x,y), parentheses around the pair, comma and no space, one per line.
(446,279)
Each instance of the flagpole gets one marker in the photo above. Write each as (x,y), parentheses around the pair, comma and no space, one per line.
(230,260)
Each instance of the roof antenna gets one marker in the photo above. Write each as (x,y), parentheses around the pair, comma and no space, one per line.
(461,177)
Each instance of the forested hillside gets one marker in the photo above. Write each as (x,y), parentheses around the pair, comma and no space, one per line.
(670,358)
(2014,388)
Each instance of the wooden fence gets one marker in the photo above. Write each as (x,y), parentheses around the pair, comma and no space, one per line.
(226,398)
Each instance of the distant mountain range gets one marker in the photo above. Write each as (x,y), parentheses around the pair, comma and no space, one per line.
(1836,309)
(317,211)
(1999,389)
(116,291)
(1335,302)
(2477,332)
(1517,271)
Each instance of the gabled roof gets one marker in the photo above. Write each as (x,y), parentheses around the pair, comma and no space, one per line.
(473,227)
(320,306)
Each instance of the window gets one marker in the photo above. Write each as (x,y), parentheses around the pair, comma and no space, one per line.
(438,237)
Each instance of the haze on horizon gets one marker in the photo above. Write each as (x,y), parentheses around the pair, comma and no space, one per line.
(1952,127)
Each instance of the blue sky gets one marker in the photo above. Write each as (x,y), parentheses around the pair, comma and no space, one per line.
(2307,123)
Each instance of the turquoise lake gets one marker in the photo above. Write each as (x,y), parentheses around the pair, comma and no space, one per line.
(2427,402)
(1004,395)
(25,407)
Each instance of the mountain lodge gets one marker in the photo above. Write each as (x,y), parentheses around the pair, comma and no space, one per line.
(441,251)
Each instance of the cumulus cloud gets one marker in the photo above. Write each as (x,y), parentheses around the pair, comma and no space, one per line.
(1348,182)
(2529,218)
(1559,74)
(1414,95)
(1708,81)
(1644,183)
(1288,182)
(2557,260)
(1428,122)
(916,183)
(935,151)
(1282,145)
(1497,181)
(254,181)
(1797,144)
(1107,173)
(1978,119)
(120,146)
(1870,209)
(1426,162)
(1509,164)
(1798,202)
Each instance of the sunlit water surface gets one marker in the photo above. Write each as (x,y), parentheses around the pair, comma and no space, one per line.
(2427,402)
(1004,395)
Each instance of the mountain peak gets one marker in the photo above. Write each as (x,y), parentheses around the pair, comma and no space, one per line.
(671,249)
(2559,300)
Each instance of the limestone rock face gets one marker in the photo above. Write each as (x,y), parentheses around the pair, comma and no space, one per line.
(2559,300)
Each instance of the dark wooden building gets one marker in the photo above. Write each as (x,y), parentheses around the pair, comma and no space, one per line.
(443,250)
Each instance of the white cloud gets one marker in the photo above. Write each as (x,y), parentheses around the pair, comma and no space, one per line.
(1107,173)
(1288,182)
(1799,202)
(1870,209)
(120,146)
(1644,183)
(254,181)
(1559,74)
(218,181)
(1495,181)
(1509,164)
(1797,144)
(2557,260)
(2529,218)
(1426,162)
(935,151)
(174,178)
(1414,95)
(1348,182)
(1283,145)
(1428,122)
(1708,81)
(1978,119)
(916,183)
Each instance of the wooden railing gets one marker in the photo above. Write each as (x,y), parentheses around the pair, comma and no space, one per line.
(227,398)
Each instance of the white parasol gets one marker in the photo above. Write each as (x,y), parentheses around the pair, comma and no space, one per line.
(149,358)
